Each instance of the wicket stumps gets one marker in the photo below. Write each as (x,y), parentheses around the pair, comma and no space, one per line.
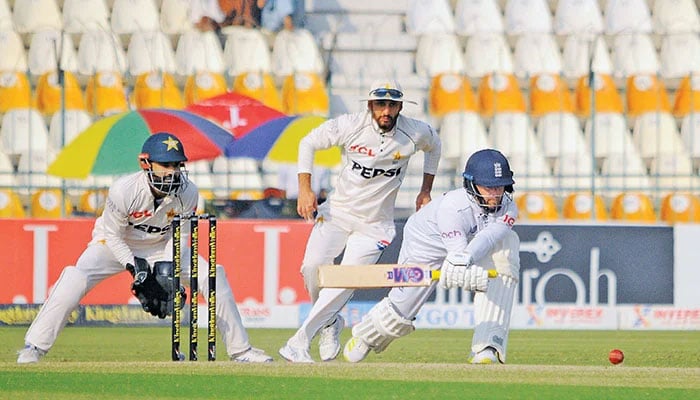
(177,355)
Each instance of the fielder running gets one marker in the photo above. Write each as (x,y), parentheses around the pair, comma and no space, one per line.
(465,232)
(133,233)
(359,214)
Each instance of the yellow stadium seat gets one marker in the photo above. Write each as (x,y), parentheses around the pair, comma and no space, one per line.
(451,92)
(304,93)
(92,201)
(157,90)
(49,94)
(500,93)
(10,204)
(549,94)
(260,86)
(203,85)
(646,93)
(607,98)
(687,97)
(680,207)
(247,195)
(15,91)
(46,203)
(105,94)
(580,206)
(633,207)
(537,206)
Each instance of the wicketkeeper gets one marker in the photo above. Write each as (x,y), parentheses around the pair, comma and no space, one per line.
(133,234)
(464,233)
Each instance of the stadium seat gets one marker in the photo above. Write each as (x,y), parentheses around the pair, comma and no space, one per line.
(157,90)
(150,51)
(203,85)
(246,51)
(527,16)
(105,94)
(92,201)
(51,95)
(646,93)
(500,93)
(34,15)
(624,172)
(633,206)
(561,136)
(100,51)
(50,203)
(607,98)
(577,52)
(424,17)
(634,54)
(611,135)
(536,54)
(200,173)
(198,52)
(6,23)
(131,16)
(673,173)
(80,16)
(677,16)
(574,172)
(237,178)
(487,53)
(537,206)
(462,133)
(15,91)
(549,94)
(10,204)
(437,54)
(64,127)
(679,55)
(580,206)
(24,133)
(687,96)
(174,17)
(7,171)
(304,93)
(573,17)
(31,171)
(476,17)
(260,86)
(629,16)
(656,133)
(44,51)
(450,92)
(690,134)
(14,57)
(295,51)
(680,207)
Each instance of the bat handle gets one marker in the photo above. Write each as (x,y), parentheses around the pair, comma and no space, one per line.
(493,273)
(435,274)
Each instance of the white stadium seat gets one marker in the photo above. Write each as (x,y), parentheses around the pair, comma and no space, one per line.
(32,15)
(80,16)
(474,17)
(44,49)
(130,16)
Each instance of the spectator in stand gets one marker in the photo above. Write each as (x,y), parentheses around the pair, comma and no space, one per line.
(281,14)
(213,15)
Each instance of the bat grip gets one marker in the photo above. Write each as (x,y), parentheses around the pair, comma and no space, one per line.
(435,274)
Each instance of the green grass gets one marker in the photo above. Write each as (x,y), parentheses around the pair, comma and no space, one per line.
(132,363)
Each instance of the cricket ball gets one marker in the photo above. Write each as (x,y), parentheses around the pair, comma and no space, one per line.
(616,356)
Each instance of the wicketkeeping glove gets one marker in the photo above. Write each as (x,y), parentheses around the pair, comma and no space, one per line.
(154,291)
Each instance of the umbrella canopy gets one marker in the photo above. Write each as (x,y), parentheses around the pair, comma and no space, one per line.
(111,145)
(235,112)
(278,140)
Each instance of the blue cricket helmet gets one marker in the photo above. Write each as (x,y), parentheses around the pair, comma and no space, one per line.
(489,168)
(163,147)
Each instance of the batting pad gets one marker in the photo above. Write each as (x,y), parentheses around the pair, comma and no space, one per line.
(492,311)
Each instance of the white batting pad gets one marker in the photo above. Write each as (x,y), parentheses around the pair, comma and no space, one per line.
(381,326)
(492,311)
(505,257)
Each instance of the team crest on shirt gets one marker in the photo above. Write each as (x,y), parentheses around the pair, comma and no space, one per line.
(397,157)
(383,244)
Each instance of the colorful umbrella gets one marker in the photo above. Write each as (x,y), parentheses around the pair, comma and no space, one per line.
(278,140)
(235,112)
(111,145)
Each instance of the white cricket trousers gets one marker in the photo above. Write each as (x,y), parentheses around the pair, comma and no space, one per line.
(363,244)
(96,264)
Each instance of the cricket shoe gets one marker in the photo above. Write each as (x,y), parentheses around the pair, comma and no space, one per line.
(295,354)
(355,350)
(252,355)
(485,356)
(30,354)
(329,341)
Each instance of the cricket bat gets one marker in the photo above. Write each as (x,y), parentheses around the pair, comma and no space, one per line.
(379,275)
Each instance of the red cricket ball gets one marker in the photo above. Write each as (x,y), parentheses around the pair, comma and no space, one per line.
(616,356)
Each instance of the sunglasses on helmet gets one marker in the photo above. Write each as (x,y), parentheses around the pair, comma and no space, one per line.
(388,93)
